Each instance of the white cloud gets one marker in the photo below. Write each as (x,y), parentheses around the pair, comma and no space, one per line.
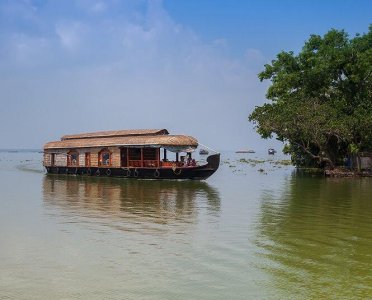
(71,34)
(93,6)
(254,58)
(98,7)
(25,51)
(136,69)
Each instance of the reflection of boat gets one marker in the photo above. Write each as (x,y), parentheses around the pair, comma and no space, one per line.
(245,151)
(100,197)
(271,151)
(203,152)
(128,153)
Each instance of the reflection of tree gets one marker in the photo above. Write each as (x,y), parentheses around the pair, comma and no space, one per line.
(133,200)
(317,238)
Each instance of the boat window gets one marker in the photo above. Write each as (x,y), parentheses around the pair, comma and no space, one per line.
(104,157)
(87,159)
(73,158)
(150,154)
(52,159)
(135,153)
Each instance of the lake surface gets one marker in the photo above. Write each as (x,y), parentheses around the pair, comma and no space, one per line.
(252,231)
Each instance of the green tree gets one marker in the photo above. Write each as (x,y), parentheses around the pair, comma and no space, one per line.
(321,103)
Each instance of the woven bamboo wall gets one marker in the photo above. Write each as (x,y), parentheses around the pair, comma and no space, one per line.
(82,158)
(60,157)
(47,159)
(60,160)
(115,157)
(94,157)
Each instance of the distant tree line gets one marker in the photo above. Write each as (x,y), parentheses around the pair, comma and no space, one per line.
(321,99)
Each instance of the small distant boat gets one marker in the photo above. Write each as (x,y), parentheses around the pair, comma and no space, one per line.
(245,151)
(203,152)
(271,151)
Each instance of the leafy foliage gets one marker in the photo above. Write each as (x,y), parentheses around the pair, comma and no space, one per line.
(321,103)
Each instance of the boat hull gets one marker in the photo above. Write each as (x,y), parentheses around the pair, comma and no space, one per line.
(197,172)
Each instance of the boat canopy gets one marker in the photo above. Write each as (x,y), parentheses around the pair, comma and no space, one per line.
(127,138)
(115,133)
(177,149)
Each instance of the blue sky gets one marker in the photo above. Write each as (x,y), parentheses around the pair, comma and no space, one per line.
(186,65)
(269,25)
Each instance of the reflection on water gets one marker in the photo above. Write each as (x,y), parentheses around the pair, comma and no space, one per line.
(130,202)
(315,237)
(242,236)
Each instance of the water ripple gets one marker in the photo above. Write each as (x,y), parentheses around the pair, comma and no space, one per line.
(315,236)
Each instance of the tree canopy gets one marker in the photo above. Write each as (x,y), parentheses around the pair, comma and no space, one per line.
(321,103)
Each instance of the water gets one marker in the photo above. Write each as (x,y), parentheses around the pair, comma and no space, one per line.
(252,231)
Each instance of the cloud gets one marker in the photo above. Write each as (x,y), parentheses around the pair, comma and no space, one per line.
(70,34)
(98,7)
(100,65)
(254,57)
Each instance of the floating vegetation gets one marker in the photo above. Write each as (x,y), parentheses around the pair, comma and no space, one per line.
(239,166)
(283,162)
(251,161)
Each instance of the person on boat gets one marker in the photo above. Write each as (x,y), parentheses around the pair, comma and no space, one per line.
(189,160)
(193,162)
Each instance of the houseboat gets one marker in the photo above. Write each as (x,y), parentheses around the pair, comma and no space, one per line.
(143,153)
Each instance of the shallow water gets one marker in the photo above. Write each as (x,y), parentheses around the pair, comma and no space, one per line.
(252,231)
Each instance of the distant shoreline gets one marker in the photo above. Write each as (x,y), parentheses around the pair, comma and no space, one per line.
(341,172)
(20,150)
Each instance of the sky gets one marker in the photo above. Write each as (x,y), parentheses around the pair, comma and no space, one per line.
(189,66)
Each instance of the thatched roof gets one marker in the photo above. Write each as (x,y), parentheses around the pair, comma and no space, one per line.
(115,133)
(151,140)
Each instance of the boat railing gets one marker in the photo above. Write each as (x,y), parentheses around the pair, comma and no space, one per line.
(144,163)
(157,164)
(150,163)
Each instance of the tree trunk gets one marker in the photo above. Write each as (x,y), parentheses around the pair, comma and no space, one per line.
(359,163)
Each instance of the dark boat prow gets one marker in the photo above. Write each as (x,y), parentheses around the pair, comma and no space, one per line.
(205,171)
(214,161)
